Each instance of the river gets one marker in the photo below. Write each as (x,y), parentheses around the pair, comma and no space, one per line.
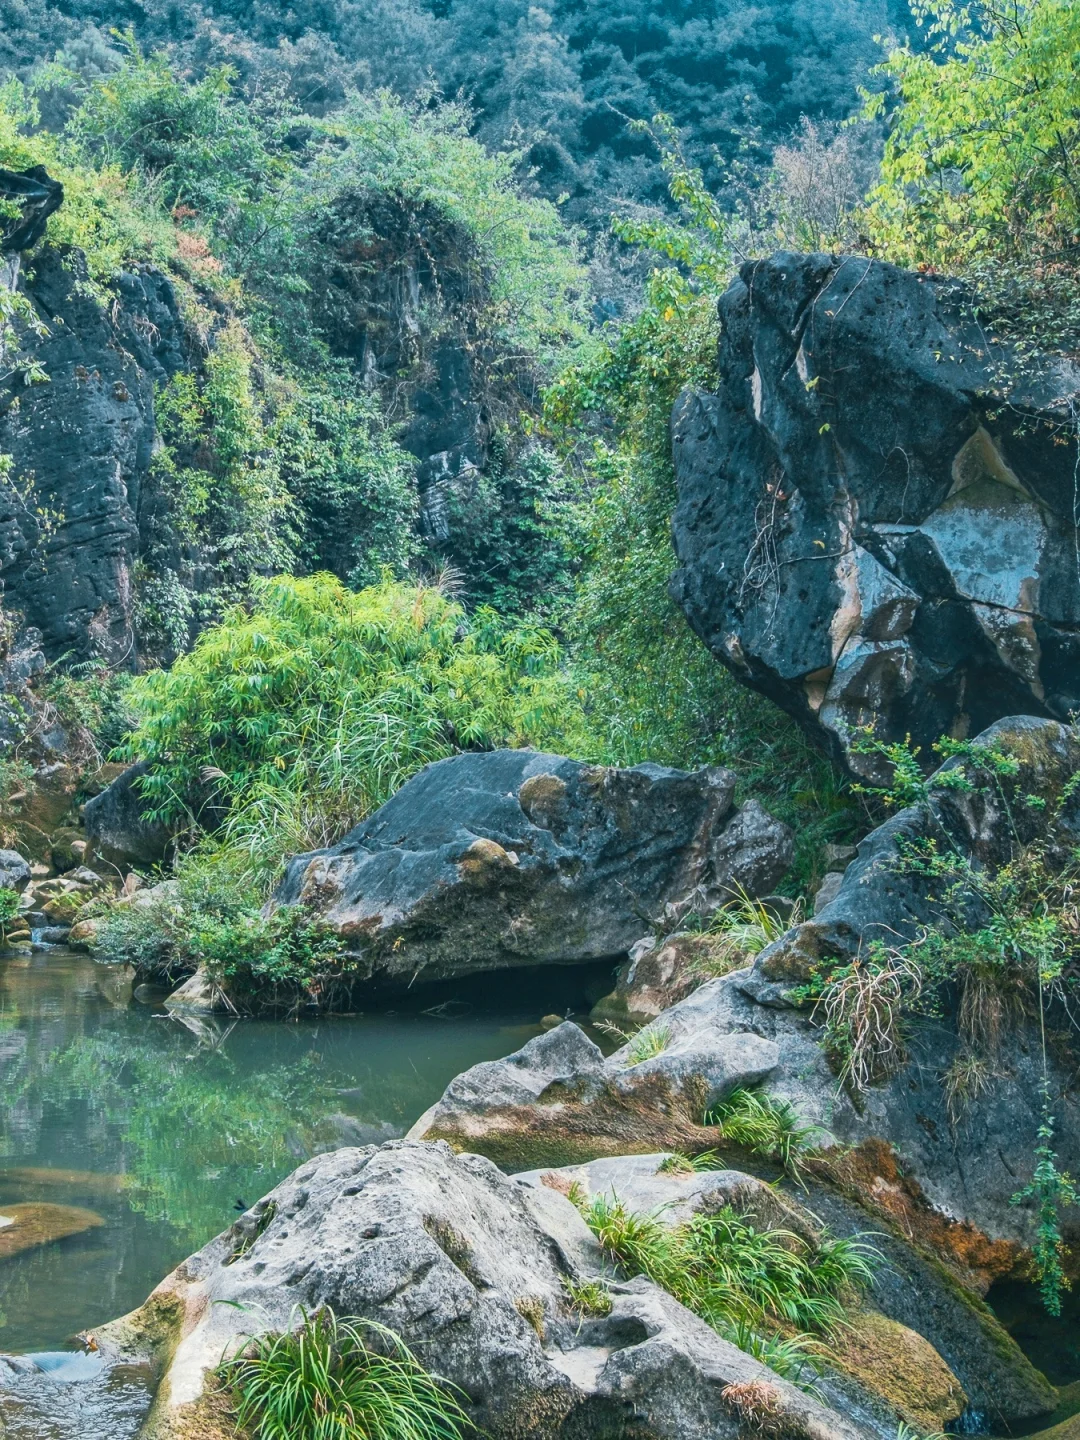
(157,1133)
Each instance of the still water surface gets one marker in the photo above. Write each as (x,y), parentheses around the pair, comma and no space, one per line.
(164,1132)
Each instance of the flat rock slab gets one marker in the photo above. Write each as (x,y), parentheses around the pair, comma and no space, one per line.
(25,1227)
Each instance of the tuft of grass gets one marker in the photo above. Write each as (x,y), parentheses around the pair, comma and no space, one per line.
(764,1126)
(679,1164)
(339,1379)
(743,1281)
(531,1310)
(739,931)
(968,1077)
(587,1297)
(756,1403)
(644,1044)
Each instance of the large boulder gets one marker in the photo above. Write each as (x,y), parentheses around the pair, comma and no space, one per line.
(515,857)
(117,829)
(469,1267)
(875,523)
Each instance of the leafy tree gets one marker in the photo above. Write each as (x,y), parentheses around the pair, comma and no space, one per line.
(979,175)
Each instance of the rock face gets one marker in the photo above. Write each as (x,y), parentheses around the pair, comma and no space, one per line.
(468,1266)
(866,531)
(82,444)
(515,857)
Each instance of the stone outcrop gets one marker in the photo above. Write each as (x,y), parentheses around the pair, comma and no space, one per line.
(469,1267)
(876,513)
(885,898)
(558,1099)
(514,858)
(81,447)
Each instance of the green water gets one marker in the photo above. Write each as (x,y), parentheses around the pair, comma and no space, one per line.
(164,1132)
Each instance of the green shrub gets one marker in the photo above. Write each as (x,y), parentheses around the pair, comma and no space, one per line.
(207,915)
(311,706)
(736,1277)
(336,1379)
(9,910)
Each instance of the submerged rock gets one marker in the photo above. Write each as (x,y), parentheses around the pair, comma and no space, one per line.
(25,1227)
(514,858)
(469,1267)
(866,531)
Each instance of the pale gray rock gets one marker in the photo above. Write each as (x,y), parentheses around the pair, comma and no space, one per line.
(469,1268)
(14,871)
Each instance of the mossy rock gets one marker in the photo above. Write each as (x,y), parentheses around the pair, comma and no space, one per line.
(902,1367)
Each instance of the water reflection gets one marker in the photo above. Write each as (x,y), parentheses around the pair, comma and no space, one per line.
(166,1131)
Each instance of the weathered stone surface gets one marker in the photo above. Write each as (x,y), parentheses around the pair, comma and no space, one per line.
(865,532)
(878,1367)
(84,443)
(14,871)
(515,857)
(116,830)
(468,1267)
(558,1100)
(881,898)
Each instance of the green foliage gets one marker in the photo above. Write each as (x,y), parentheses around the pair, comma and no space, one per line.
(1050,1190)
(736,1277)
(104,212)
(9,910)
(650,689)
(764,1125)
(512,532)
(311,706)
(207,915)
(92,695)
(978,176)
(347,475)
(336,1379)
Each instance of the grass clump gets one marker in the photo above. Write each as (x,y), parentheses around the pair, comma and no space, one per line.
(739,931)
(338,1379)
(679,1164)
(590,1298)
(764,1126)
(643,1044)
(743,1281)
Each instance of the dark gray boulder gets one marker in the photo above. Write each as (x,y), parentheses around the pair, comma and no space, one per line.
(117,831)
(875,523)
(515,857)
